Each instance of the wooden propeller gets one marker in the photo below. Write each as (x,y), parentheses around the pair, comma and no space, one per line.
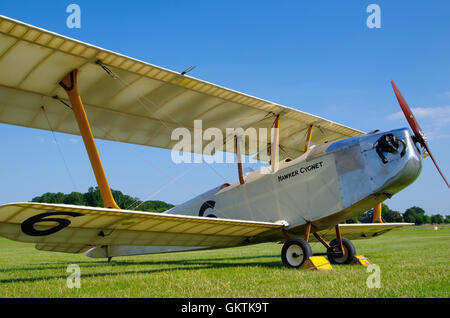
(418,132)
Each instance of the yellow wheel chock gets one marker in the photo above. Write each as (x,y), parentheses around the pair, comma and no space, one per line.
(316,263)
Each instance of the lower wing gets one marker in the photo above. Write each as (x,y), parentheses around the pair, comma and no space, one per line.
(361,230)
(66,228)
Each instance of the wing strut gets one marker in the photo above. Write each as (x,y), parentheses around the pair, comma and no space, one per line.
(308,137)
(275,145)
(376,216)
(70,85)
(237,140)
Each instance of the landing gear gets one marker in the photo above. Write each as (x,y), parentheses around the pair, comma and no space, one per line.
(295,252)
(335,255)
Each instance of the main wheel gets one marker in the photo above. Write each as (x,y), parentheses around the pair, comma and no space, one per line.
(350,252)
(295,252)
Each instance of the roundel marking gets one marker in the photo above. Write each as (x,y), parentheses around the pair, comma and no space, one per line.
(205,206)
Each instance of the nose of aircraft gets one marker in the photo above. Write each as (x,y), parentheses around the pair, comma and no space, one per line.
(376,163)
(393,161)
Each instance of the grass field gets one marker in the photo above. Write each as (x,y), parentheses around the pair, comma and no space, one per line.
(414,262)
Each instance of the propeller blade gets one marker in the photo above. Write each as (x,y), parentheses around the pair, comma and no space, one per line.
(435,163)
(418,132)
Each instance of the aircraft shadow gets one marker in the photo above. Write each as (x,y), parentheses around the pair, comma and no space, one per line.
(187,265)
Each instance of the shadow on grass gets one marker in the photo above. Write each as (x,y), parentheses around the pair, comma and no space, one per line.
(198,265)
(63,265)
(187,265)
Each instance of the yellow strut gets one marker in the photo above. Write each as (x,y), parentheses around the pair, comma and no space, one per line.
(239,160)
(70,85)
(376,217)
(275,145)
(308,138)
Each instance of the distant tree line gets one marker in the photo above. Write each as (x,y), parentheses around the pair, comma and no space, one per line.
(94,199)
(414,215)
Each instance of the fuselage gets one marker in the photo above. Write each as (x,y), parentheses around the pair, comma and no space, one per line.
(334,181)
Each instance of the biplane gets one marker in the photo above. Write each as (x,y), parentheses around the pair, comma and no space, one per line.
(326,173)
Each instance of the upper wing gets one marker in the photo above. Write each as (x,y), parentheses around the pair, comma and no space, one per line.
(74,228)
(142,106)
(361,231)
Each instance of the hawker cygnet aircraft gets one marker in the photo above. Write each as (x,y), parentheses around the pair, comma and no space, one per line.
(324,173)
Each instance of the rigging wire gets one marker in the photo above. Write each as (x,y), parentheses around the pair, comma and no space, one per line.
(162,122)
(172,179)
(59,149)
(160,188)
(62,101)
(144,105)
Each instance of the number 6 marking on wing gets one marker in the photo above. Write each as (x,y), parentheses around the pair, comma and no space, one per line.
(28,225)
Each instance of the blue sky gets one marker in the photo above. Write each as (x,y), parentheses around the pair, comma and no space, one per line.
(316,56)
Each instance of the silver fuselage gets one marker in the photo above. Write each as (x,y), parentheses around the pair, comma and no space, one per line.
(327,181)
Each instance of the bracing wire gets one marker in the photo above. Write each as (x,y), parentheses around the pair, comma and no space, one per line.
(59,149)
(140,99)
(172,179)
(160,188)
